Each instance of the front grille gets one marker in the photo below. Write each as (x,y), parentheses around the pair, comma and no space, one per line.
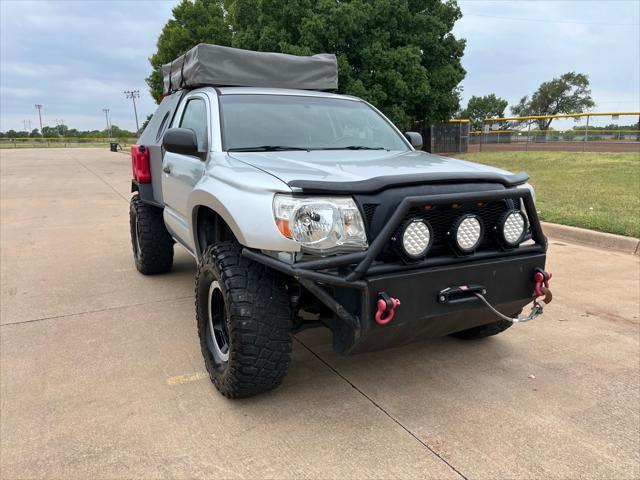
(378,207)
(442,217)
(369,211)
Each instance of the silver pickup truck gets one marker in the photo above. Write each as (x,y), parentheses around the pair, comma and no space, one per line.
(306,209)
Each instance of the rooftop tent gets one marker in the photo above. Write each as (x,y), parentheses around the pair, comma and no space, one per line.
(214,65)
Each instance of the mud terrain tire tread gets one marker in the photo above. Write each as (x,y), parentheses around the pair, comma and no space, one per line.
(156,245)
(258,321)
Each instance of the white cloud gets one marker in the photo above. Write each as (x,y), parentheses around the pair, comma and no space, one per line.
(76,58)
(20,92)
(512,47)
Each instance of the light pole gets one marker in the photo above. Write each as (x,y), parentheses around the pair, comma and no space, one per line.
(133,94)
(106,116)
(39,108)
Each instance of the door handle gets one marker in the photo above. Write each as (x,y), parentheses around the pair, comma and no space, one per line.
(167,168)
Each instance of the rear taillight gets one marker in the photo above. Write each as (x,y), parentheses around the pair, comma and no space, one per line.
(140,164)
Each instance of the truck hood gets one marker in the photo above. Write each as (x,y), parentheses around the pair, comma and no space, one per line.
(368,169)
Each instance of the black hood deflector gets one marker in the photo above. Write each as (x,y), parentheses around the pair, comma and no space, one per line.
(380,183)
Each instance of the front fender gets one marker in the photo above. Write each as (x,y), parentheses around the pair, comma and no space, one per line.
(243,197)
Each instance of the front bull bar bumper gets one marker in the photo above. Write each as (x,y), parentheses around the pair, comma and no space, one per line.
(349,284)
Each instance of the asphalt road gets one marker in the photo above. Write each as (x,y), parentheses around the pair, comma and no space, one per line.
(101,374)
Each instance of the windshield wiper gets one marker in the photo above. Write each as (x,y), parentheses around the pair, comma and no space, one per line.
(354,147)
(265,148)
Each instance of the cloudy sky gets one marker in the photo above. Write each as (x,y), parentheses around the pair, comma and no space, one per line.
(77,57)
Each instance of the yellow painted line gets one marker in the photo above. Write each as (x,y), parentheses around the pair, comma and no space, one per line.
(459,120)
(187,378)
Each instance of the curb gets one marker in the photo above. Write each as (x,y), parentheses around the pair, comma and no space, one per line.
(592,238)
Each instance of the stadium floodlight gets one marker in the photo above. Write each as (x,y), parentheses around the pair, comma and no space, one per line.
(133,94)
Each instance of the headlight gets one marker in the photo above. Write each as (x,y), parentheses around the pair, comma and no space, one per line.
(514,227)
(321,225)
(467,232)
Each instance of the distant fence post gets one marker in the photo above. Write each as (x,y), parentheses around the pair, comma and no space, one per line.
(586,134)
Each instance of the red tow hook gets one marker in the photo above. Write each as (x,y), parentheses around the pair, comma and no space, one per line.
(541,288)
(386,308)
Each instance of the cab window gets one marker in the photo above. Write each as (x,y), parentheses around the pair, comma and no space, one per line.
(195,118)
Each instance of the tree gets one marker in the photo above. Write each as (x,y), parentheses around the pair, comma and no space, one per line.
(193,22)
(117,132)
(568,94)
(50,132)
(398,54)
(480,108)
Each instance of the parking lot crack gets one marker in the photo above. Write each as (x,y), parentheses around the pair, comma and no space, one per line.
(383,410)
(98,310)
(101,179)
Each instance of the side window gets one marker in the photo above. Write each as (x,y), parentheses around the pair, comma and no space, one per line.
(161,128)
(195,118)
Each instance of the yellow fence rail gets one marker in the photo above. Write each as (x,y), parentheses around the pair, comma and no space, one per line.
(567,115)
(550,132)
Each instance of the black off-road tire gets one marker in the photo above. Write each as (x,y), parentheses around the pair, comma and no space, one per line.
(151,242)
(484,331)
(253,318)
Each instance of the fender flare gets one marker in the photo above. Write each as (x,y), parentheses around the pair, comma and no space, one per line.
(202,198)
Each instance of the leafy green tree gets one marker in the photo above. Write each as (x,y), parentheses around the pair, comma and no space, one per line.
(50,132)
(398,54)
(479,108)
(568,94)
(193,22)
(35,133)
(118,132)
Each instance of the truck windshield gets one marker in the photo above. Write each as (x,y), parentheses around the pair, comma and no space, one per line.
(287,122)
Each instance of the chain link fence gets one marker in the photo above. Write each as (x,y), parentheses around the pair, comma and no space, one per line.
(446,137)
(497,136)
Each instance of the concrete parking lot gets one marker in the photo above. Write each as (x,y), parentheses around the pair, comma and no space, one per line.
(101,374)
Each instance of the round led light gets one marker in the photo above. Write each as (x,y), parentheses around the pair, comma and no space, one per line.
(468,233)
(416,238)
(513,227)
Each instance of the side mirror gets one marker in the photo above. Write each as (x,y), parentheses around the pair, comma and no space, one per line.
(415,139)
(181,140)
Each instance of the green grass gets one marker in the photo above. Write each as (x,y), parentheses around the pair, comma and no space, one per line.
(599,191)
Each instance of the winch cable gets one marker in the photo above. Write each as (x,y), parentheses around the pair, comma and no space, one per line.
(541,279)
(535,311)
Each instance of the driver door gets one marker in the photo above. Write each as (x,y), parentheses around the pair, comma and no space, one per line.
(180,172)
